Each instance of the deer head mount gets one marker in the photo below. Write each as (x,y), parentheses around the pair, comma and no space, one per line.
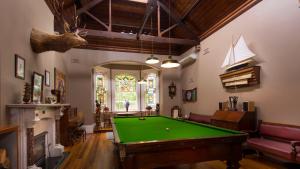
(72,37)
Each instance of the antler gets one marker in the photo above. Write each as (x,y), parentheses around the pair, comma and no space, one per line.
(57,8)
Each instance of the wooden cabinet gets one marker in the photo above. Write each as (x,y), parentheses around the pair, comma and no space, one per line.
(69,123)
(235,120)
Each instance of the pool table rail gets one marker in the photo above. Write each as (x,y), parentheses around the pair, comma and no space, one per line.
(160,153)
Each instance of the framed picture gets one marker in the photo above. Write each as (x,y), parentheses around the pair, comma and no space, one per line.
(19,67)
(47,78)
(37,87)
(60,84)
(172,90)
(189,95)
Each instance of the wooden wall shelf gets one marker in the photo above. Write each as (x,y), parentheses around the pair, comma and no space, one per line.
(244,77)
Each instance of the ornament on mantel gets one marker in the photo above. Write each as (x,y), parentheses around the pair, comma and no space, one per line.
(27,93)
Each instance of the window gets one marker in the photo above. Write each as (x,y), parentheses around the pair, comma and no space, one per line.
(125,90)
(101,92)
(113,87)
(150,93)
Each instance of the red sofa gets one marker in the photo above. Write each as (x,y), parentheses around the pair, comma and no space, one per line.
(199,118)
(279,140)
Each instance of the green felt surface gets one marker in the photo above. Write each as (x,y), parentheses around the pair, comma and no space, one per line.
(131,129)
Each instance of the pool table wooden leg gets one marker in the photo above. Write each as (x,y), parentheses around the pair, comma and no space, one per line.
(129,163)
(233,164)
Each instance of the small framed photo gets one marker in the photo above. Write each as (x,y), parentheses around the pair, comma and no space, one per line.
(47,78)
(37,87)
(19,67)
(189,95)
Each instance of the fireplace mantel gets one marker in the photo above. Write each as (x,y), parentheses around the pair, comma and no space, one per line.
(34,106)
(37,118)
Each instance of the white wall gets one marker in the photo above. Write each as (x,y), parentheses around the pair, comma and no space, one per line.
(81,78)
(17,19)
(271,28)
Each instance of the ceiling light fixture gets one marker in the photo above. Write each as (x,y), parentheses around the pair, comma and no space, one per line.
(152,60)
(170,62)
(140,1)
(141,81)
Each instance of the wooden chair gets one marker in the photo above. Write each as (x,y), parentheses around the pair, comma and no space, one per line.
(107,119)
(176,112)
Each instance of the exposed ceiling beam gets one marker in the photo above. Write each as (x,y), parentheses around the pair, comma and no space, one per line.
(126,36)
(169,29)
(88,6)
(96,19)
(151,6)
(175,16)
(123,27)
(190,10)
(158,20)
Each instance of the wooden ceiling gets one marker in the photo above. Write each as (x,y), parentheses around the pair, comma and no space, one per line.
(194,20)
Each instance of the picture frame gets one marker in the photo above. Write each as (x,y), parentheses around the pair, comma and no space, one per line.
(60,84)
(19,67)
(37,88)
(189,95)
(47,78)
(172,90)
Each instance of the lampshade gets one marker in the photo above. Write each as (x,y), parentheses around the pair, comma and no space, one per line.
(152,60)
(170,63)
(142,81)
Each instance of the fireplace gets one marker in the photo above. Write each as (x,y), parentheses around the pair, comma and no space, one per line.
(39,149)
(37,152)
(48,144)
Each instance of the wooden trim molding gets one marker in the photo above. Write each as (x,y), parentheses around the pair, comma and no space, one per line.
(243,8)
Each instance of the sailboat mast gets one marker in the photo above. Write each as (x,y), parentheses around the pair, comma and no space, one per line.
(233,53)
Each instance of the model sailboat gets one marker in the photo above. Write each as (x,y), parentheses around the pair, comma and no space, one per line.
(239,55)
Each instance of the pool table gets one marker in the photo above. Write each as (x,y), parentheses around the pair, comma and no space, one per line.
(159,141)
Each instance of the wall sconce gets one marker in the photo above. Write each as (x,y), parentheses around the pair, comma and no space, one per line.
(172,90)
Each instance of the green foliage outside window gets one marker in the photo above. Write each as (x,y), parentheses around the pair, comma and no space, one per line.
(125,89)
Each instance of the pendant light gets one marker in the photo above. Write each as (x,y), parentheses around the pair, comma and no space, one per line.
(152,60)
(170,62)
(141,81)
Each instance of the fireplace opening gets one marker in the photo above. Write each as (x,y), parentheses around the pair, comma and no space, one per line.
(39,153)
(39,149)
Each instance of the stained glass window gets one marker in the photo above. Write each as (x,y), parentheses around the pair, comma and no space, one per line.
(125,90)
(101,93)
(150,94)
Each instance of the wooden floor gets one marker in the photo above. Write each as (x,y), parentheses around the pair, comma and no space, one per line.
(97,152)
